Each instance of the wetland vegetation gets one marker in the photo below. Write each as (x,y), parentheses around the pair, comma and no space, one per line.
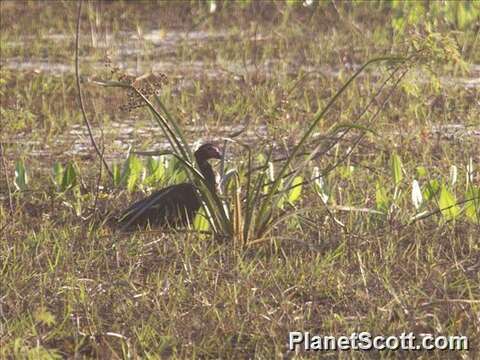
(349,188)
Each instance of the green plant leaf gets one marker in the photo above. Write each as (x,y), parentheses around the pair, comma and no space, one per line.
(472,206)
(155,171)
(44,316)
(421,171)
(381,197)
(57,174)
(396,164)
(132,172)
(447,204)
(69,179)
(431,189)
(200,223)
(117,177)
(21,178)
(346,171)
(294,193)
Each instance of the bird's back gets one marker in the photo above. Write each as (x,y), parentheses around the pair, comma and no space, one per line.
(171,206)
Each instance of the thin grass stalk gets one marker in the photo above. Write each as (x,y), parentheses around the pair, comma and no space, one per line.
(295,173)
(439,210)
(7,179)
(171,135)
(356,142)
(256,196)
(237,214)
(175,126)
(317,118)
(276,184)
(247,221)
(378,92)
(80,95)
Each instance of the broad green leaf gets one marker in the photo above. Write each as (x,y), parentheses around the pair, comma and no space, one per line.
(21,178)
(117,177)
(447,204)
(421,171)
(261,158)
(69,179)
(472,207)
(346,171)
(152,164)
(180,176)
(44,316)
(396,164)
(155,170)
(431,189)
(295,192)
(135,167)
(381,197)
(244,3)
(57,174)
(398,24)
(200,223)
(176,171)
(132,172)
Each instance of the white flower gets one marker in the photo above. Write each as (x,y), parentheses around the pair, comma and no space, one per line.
(417,197)
(213,6)
(453,174)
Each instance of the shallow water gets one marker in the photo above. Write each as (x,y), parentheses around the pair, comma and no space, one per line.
(132,48)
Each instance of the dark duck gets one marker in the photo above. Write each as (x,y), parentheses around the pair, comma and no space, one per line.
(174,205)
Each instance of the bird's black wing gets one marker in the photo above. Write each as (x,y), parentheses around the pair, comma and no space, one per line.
(169,206)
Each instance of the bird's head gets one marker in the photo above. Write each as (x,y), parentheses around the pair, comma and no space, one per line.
(207,151)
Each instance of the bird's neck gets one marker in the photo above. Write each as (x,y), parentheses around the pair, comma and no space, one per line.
(208,174)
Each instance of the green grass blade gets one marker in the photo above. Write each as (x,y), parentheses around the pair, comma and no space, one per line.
(314,123)
(21,177)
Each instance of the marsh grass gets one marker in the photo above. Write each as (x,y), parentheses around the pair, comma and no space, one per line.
(352,251)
